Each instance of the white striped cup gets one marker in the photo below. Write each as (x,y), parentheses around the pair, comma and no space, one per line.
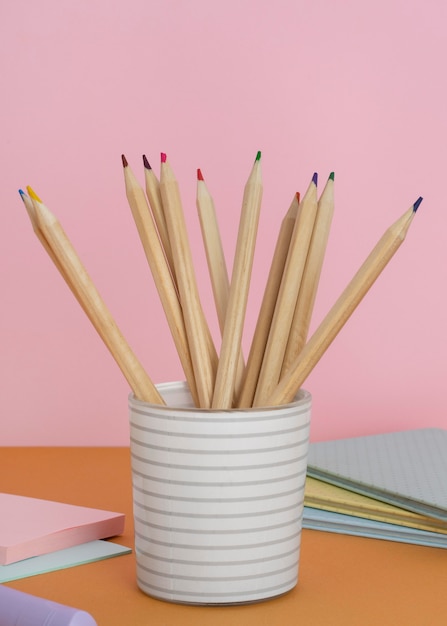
(218,498)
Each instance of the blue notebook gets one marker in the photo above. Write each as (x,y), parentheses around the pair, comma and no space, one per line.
(329,521)
(406,468)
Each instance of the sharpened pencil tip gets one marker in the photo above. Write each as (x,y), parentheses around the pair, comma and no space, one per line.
(417,203)
(124,160)
(22,194)
(331,176)
(163,157)
(199,175)
(298,196)
(146,163)
(33,194)
(315,179)
(258,156)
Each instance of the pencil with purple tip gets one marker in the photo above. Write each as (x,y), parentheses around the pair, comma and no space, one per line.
(311,277)
(288,293)
(343,308)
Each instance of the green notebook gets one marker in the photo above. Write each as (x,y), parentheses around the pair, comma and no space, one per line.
(407,468)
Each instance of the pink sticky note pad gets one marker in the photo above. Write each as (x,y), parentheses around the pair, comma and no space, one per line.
(31,527)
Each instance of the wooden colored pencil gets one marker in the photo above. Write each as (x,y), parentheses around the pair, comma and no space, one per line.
(163,278)
(343,308)
(202,350)
(288,293)
(93,304)
(39,234)
(309,284)
(154,197)
(215,257)
(239,288)
(263,323)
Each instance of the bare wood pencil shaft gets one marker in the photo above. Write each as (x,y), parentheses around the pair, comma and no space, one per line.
(154,197)
(202,350)
(288,293)
(260,336)
(309,285)
(94,306)
(240,283)
(342,310)
(217,266)
(163,278)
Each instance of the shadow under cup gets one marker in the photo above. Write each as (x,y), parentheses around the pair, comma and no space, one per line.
(218,498)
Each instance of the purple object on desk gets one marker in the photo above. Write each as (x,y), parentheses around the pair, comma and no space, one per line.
(21,609)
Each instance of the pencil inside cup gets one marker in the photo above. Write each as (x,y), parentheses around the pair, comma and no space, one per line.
(215,257)
(159,266)
(203,352)
(265,315)
(287,296)
(343,308)
(57,244)
(311,276)
(155,202)
(239,288)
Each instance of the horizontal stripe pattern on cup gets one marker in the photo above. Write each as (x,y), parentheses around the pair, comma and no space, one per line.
(218,498)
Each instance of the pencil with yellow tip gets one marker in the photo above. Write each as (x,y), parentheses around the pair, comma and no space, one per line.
(343,308)
(239,289)
(92,303)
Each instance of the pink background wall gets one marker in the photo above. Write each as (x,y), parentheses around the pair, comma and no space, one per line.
(358,88)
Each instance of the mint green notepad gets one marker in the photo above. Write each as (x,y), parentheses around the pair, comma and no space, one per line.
(61,559)
(406,468)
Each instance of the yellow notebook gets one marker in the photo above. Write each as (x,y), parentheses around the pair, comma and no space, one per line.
(322,495)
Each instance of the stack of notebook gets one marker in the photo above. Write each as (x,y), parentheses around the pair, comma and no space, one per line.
(390,486)
(38,536)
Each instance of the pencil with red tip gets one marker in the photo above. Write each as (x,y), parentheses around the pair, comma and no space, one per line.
(215,257)
(263,323)
(153,194)
(201,346)
(160,270)
(287,296)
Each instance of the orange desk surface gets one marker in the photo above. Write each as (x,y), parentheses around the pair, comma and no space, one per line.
(342,580)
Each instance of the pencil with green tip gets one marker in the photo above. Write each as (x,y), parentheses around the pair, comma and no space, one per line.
(239,288)
(311,277)
(343,308)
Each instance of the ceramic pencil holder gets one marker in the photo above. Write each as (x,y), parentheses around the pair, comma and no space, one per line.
(218,498)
